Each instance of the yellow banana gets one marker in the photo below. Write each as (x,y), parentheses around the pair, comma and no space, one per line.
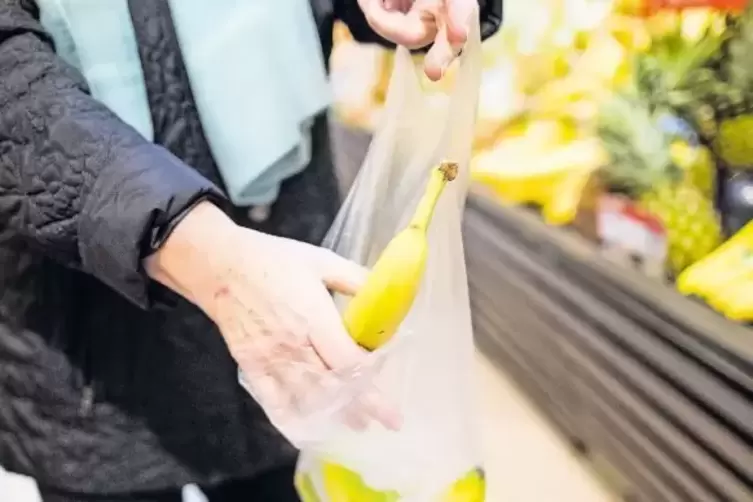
(343,485)
(304,485)
(470,488)
(703,277)
(737,304)
(374,314)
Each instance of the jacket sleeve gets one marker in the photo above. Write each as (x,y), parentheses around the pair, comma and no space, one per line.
(76,182)
(350,13)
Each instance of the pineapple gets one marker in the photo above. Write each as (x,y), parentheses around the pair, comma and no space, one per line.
(694,159)
(707,78)
(697,164)
(642,165)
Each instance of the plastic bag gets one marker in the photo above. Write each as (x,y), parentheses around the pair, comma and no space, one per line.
(426,370)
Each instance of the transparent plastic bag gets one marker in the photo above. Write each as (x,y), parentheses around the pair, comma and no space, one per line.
(426,369)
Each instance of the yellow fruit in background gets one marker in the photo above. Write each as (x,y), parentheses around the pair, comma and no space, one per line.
(375,313)
(733,141)
(629,31)
(523,172)
(711,274)
(605,60)
(722,294)
(689,219)
(736,302)
(630,7)
(698,165)
(563,206)
(664,23)
(719,267)
(542,67)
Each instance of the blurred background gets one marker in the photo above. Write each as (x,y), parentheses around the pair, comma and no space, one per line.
(609,248)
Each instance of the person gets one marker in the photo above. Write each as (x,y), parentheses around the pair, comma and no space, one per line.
(132,289)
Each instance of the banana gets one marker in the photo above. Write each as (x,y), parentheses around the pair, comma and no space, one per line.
(469,488)
(736,304)
(343,485)
(304,485)
(375,313)
(704,277)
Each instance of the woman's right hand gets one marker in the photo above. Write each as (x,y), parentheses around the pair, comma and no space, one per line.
(270,298)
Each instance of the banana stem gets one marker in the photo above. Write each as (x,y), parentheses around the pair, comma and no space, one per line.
(447,171)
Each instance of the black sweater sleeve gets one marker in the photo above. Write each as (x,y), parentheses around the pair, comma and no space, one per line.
(350,13)
(75,181)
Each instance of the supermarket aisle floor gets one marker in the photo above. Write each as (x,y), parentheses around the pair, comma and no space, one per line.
(525,460)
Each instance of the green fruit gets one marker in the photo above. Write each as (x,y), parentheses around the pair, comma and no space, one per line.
(734,141)
(708,82)
(698,166)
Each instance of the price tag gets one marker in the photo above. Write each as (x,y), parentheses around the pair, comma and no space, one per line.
(627,232)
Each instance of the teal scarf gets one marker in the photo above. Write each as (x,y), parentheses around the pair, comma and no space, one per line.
(257,86)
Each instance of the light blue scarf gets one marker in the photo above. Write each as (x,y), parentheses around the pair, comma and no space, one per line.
(257,86)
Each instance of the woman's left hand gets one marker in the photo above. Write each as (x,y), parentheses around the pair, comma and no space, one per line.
(418,23)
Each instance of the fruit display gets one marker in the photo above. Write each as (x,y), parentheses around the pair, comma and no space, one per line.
(546,155)
(641,164)
(555,171)
(724,278)
(702,72)
(648,99)
(656,105)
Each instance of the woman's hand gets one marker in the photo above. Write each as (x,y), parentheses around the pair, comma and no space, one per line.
(270,298)
(418,23)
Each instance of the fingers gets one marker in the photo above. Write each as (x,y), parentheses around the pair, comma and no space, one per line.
(398,5)
(441,54)
(459,17)
(290,381)
(414,28)
(375,405)
(443,22)
(339,274)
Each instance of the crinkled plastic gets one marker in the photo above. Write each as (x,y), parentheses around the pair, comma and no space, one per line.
(426,370)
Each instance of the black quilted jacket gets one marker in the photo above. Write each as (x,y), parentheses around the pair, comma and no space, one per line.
(108,382)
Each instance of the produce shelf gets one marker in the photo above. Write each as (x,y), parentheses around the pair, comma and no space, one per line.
(655,386)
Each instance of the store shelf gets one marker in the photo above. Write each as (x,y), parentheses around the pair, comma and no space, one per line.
(656,385)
